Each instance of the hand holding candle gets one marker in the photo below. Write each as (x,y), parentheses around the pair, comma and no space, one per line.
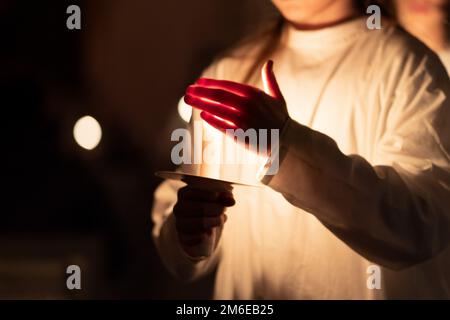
(198,212)
(231,105)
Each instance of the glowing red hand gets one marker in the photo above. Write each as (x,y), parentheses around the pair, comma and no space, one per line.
(232,105)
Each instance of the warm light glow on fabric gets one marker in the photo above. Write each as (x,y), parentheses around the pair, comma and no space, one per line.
(87,132)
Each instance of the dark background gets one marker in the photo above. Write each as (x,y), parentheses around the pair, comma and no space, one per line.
(128,66)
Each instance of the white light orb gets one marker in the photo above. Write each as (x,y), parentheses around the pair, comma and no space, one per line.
(87,132)
(185,111)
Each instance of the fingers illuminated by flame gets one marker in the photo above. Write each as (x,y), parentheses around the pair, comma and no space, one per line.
(234,87)
(227,104)
(213,107)
(218,97)
(217,122)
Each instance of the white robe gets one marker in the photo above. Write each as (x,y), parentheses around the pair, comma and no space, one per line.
(364,176)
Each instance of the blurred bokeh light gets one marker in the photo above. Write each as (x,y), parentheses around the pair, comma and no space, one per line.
(87,132)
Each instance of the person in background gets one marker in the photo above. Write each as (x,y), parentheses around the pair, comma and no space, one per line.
(428,21)
(364,174)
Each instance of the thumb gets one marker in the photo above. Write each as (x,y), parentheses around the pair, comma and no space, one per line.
(269,81)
